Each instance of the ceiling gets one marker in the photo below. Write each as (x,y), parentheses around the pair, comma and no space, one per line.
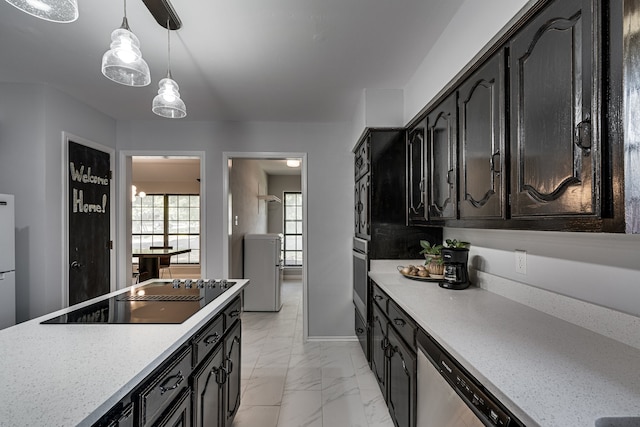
(187,169)
(266,60)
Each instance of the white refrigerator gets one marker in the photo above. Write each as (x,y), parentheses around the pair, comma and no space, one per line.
(7,261)
(263,268)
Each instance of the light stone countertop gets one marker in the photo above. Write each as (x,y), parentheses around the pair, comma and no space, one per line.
(71,374)
(547,371)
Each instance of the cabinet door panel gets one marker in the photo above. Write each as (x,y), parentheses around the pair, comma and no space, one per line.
(364,202)
(416,157)
(442,126)
(402,381)
(207,399)
(481,106)
(378,346)
(232,367)
(361,211)
(179,415)
(554,154)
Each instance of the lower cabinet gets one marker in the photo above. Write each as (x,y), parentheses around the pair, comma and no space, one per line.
(216,383)
(207,390)
(157,395)
(401,399)
(378,346)
(231,368)
(179,414)
(394,360)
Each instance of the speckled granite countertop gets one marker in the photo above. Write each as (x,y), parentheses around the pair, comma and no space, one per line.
(547,371)
(66,375)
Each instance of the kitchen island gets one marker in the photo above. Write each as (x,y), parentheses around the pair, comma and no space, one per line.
(73,374)
(547,371)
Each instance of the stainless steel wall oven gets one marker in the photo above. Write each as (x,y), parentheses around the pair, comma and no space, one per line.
(361,291)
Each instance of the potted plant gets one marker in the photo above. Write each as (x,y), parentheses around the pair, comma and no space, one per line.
(456,244)
(433,256)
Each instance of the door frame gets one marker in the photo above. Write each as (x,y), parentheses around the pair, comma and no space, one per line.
(125,270)
(66,137)
(229,155)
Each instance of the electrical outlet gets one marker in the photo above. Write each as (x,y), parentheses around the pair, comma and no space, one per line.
(521,261)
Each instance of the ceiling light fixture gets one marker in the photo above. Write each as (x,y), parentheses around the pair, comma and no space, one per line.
(293,163)
(167,102)
(123,62)
(63,11)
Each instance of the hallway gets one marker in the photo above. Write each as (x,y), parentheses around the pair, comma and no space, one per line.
(286,383)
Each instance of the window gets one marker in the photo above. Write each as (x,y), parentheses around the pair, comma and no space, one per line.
(167,220)
(292,229)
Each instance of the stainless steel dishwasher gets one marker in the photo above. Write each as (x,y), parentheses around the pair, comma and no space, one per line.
(449,397)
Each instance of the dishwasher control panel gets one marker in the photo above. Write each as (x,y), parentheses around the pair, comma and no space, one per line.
(472,393)
(486,407)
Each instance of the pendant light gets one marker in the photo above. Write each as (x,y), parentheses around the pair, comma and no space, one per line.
(123,63)
(167,102)
(63,11)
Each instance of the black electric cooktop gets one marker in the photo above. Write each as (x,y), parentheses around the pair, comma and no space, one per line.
(156,302)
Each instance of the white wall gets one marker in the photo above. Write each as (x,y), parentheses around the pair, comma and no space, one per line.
(600,268)
(330,184)
(247,181)
(472,27)
(32,119)
(278,184)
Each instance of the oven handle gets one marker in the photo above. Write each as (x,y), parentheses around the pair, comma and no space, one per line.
(360,255)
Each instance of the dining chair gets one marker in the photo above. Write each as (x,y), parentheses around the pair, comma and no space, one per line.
(164,261)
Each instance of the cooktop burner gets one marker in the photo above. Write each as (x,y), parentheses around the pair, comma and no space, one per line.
(156,302)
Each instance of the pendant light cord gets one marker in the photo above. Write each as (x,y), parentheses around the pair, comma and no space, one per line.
(125,22)
(168,49)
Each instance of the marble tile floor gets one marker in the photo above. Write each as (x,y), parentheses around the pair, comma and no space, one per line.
(288,383)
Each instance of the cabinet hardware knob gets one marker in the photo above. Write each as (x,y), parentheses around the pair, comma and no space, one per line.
(163,386)
(493,163)
(399,322)
(212,339)
(582,137)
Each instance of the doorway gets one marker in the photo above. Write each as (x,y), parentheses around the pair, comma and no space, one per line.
(163,205)
(254,196)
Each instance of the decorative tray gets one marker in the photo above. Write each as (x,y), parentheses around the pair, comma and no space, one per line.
(423,279)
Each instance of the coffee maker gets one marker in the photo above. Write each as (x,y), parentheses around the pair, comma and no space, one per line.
(456,275)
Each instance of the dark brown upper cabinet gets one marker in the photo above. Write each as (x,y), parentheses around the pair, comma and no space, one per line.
(554,119)
(416,175)
(442,160)
(362,207)
(481,109)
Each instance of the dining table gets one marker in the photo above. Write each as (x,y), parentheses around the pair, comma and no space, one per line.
(149,261)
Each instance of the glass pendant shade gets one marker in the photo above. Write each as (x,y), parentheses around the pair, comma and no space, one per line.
(63,11)
(123,63)
(167,102)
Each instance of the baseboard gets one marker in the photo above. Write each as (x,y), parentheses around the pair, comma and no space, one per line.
(328,338)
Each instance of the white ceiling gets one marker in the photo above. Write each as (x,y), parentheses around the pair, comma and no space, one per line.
(185,169)
(264,60)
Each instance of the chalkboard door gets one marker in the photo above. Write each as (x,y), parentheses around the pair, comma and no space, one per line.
(89,222)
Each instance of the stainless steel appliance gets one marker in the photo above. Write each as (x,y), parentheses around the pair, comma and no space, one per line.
(456,274)
(360,275)
(449,397)
(361,291)
(7,262)
(263,267)
(156,302)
